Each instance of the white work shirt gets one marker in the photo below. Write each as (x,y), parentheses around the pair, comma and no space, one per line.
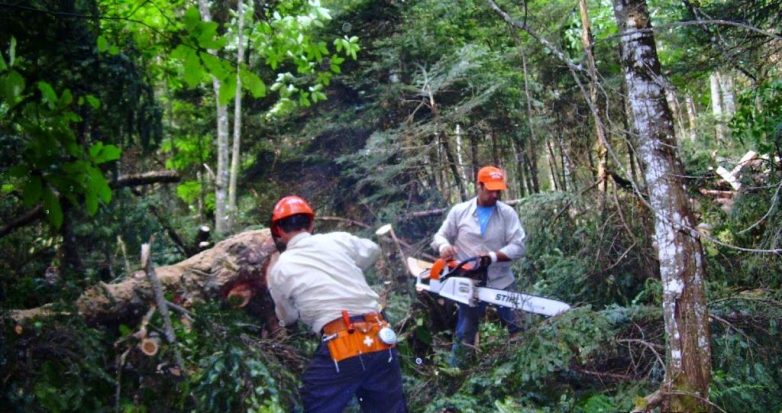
(318,276)
(504,233)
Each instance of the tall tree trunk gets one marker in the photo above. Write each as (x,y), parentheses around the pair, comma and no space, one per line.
(686,386)
(495,150)
(673,104)
(221,177)
(728,95)
(587,42)
(627,113)
(459,158)
(716,107)
(236,150)
(691,117)
(567,165)
(451,161)
(533,166)
(473,157)
(552,164)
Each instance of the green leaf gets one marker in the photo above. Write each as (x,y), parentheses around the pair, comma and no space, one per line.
(91,202)
(253,83)
(214,65)
(192,18)
(11,86)
(227,89)
(189,191)
(104,153)
(66,98)
(2,63)
(48,93)
(113,50)
(31,192)
(99,184)
(103,44)
(93,101)
(194,72)
(7,188)
(52,208)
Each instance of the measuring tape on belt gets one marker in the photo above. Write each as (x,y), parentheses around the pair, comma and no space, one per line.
(345,338)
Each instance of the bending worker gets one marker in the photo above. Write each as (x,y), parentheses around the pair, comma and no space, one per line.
(490,229)
(320,280)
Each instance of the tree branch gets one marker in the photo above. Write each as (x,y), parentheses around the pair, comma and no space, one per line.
(147,178)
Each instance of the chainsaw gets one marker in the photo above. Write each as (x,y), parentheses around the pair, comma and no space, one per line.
(465,281)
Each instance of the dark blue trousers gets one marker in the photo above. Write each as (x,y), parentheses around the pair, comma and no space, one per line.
(372,378)
(467,327)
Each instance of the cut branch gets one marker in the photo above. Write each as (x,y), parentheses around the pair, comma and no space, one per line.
(146,178)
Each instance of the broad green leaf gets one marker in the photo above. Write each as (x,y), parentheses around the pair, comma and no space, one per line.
(189,191)
(104,153)
(103,44)
(191,18)
(113,50)
(11,86)
(48,94)
(93,101)
(66,98)
(52,208)
(194,72)
(228,89)
(7,188)
(91,202)
(31,192)
(253,83)
(2,62)
(214,65)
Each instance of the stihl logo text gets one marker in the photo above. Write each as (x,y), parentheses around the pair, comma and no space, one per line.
(507,298)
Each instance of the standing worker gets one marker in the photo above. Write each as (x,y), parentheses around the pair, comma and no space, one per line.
(487,228)
(320,280)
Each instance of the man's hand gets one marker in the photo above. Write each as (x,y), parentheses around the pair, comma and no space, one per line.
(484,261)
(447,251)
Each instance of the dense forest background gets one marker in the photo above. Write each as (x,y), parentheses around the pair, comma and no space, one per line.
(179,123)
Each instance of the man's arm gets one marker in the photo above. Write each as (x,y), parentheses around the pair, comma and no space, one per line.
(446,235)
(514,238)
(283,306)
(363,251)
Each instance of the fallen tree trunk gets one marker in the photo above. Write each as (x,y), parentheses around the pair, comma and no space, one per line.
(237,263)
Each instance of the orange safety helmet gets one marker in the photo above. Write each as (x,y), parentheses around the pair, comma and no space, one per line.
(289,206)
(492,178)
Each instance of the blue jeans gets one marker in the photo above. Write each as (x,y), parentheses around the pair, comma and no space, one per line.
(374,379)
(467,326)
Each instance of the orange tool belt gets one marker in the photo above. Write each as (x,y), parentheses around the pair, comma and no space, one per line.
(346,338)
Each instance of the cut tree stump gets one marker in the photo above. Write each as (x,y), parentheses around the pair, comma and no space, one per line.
(237,263)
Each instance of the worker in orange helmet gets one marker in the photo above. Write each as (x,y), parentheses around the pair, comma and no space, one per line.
(488,228)
(319,279)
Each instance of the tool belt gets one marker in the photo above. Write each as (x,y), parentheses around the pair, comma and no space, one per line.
(349,337)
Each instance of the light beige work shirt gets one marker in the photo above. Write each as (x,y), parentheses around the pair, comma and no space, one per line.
(504,233)
(320,275)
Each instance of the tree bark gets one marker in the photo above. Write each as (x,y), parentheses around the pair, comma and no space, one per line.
(236,149)
(716,107)
(221,178)
(602,151)
(241,260)
(686,385)
(728,95)
(691,117)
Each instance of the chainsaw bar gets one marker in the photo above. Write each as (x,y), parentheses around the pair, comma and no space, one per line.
(464,290)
